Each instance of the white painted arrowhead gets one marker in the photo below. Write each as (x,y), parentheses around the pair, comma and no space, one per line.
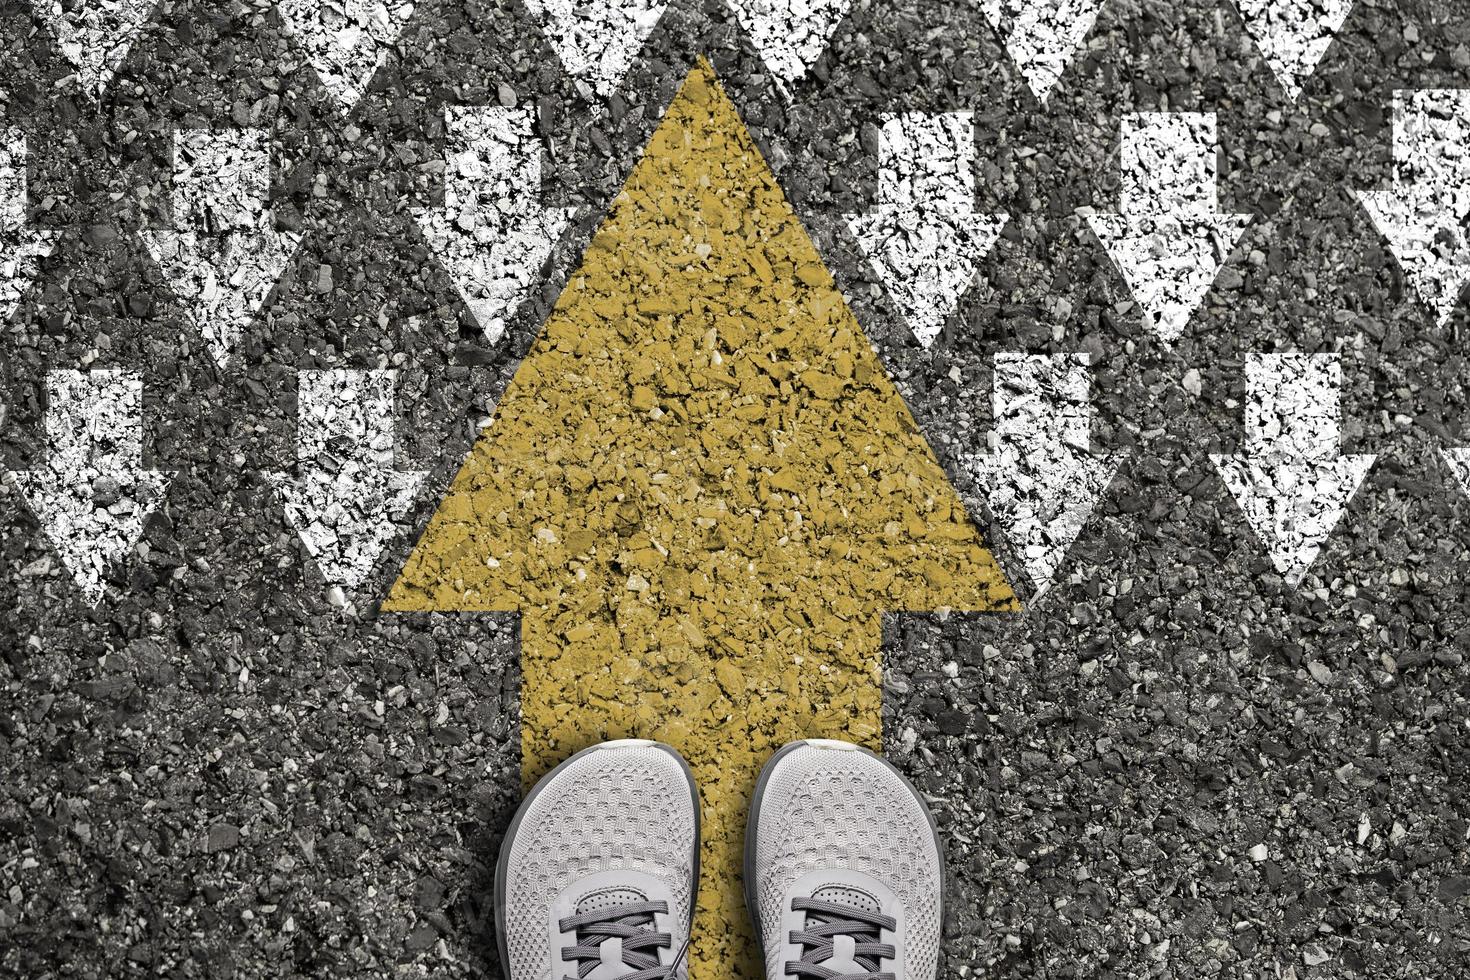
(925,238)
(94,35)
(1040,476)
(492,234)
(1292,483)
(1169,263)
(790,34)
(597,41)
(348,498)
(1041,36)
(20,248)
(1458,461)
(346,40)
(1168,239)
(224,256)
(1293,35)
(1426,212)
(93,495)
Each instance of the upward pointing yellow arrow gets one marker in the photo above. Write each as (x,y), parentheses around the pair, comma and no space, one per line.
(701,491)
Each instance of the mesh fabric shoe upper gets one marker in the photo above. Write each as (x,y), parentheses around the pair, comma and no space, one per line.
(843,867)
(603,855)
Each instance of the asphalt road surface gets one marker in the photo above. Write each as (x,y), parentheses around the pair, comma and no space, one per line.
(1182,759)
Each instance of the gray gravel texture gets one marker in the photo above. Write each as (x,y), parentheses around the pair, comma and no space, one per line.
(217,772)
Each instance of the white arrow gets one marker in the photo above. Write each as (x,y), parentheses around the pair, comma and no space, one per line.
(1041,477)
(20,248)
(1041,36)
(1293,35)
(1292,482)
(225,255)
(346,40)
(346,501)
(597,42)
(925,239)
(492,233)
(1168,239)
(94,35)
(93,494)
(1459,463)
(790,34)
(1425,214)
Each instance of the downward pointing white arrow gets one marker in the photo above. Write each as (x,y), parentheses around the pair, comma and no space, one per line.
(1168,239)
(93,495)
(346,40)
(597,42)
(925,238)
(19,248)
(95,35)
(1425,214)
(790,34)
(492,233)
(1041,36)
(1292,483)
(1041,477)
(226,256)
(1459,464)
(346,501)
(1293,35)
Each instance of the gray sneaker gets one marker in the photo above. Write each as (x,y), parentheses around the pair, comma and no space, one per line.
(843,873)
(598,872)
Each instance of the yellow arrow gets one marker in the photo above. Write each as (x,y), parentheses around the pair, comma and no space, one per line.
(701,491)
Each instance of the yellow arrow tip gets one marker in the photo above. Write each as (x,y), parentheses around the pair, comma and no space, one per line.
(702,389)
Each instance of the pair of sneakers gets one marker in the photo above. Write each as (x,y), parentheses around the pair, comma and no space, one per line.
(598,874)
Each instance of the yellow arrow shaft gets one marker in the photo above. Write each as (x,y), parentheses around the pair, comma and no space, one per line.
(727,714)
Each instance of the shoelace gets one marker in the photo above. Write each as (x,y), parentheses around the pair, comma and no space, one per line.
(836,919)
(633,924)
